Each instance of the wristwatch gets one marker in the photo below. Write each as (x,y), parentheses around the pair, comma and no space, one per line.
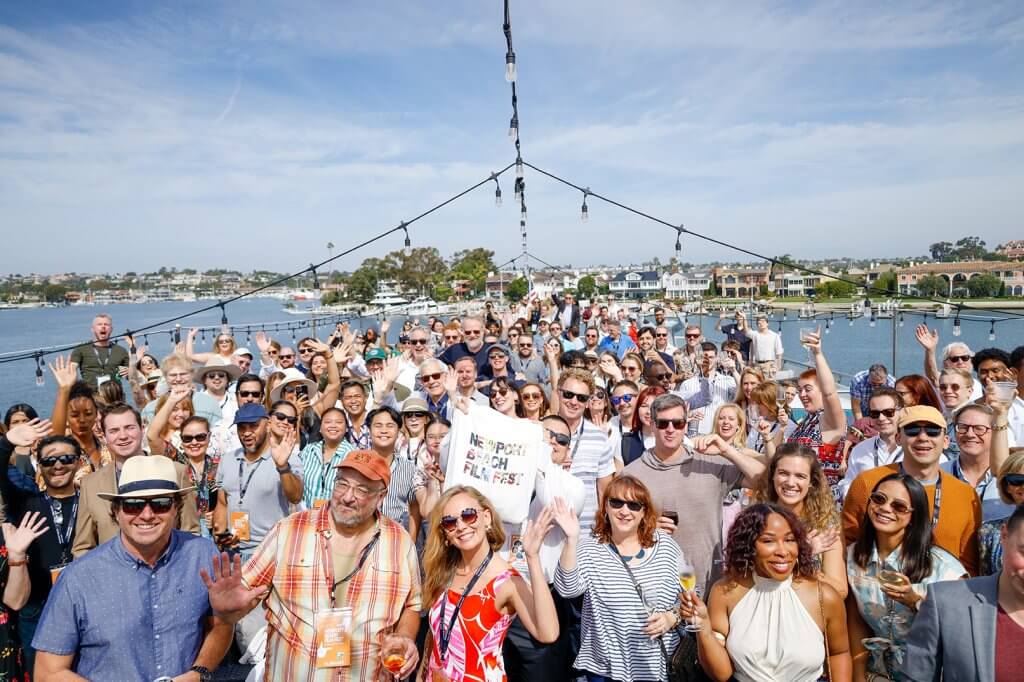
(204,673)
(284,470)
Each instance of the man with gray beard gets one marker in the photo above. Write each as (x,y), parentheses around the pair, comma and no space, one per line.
(372,568)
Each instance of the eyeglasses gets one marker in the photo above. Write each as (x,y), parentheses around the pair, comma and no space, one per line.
(914,430)
(178,375)
(418,342)
(898,506)
(662,336)
(976,429)
(272,352)
(619,399)
(888,413)
(250,394)
(360,492)
(1014,479)
(216,375)
(532,396)
(959,358)
(579,397)
(281,416)
(431,377)
(195,438)
(559,438)
(289,356)
(949,387)
(469,515)
(47,462)
(677,424)
(133,506)
(472,332)
(631,505)
(693,336)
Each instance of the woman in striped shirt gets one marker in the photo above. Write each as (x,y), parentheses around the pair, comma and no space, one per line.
(627,572)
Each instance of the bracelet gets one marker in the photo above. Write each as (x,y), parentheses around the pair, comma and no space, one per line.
(284,470)
(13,562)
(1000,427)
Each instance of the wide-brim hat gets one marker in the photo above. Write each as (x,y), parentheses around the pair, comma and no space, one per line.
(292,376)
(147,476)
(216,364)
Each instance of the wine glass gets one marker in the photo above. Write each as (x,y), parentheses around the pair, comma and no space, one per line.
(805,333)
(393,655)
(688,584)
(891,578)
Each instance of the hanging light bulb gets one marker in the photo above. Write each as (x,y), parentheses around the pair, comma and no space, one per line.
(679,246)
(497,197)
(519,186)
(783,313)
(39,369)
(828,326)
(522,227)
(522,211)
(248,334)
(992,331)
(408,243)
(510,67)
(519,164)
(513,128)
(871,322)
(224,329)
(584,215)
(202,334)
(901,319)
(956,323)
(145,339)
(176,334)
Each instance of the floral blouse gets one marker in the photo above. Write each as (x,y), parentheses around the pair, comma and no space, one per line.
(991,546)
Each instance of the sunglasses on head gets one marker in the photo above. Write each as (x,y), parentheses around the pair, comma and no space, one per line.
(677,424)
(133,506)
(1014,479)
(631,505)
(888,413)
(898,506)
(47,462)
(959,358)
(559,438)
(281,416)
(579,397)
(250,394)
(195,438)
(931,430)
(469,515)
(619,399)
(431,377)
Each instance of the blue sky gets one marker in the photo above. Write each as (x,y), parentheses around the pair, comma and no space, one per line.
(249,134)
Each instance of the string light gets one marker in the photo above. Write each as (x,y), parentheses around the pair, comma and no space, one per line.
(408,242)
(39,369)
(519,167)
(828,326)
(510,67)
(871,322)
(956,323)
(497,190)
(584,214)
(901,319)
(679,242)
(992,331)
(520,185)
(522,213)
(223,319)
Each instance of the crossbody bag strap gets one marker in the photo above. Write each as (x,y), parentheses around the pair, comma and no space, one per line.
(640,595)
(824,622)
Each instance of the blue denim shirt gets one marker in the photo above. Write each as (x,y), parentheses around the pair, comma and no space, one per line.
(124,620)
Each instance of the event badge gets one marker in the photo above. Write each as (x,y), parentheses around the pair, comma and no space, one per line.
(102,379)
(333,637)
(240,525)
(319,503)
(55,572)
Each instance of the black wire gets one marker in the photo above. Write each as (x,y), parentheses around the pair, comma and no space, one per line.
(312,267)
(775,261)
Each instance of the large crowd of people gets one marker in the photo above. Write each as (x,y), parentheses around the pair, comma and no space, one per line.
(700,512)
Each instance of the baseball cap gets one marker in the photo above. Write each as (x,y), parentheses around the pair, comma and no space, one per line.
(375,354)
(369,464)
(243,351)
(250,413)
(921,413)
(500,347)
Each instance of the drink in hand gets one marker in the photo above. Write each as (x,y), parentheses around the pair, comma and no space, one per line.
(394,662)
(687,580)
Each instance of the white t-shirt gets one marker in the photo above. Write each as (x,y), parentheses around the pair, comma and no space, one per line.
(764,346)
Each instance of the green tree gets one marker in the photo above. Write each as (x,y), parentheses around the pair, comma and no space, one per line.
(932,285)
(443,292)
(516,289)
(586,286)
(712,289)
(941,251)
(970,248)
(835,289)
(473,265)
(55,293)
(422,270)
(886,284)
(983,286)
(362,285)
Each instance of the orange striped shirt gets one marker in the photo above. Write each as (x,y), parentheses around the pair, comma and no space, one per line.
(291,560)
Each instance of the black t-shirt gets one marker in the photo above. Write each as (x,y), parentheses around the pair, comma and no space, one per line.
(733,333)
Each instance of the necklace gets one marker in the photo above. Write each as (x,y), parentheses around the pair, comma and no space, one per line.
(629,557)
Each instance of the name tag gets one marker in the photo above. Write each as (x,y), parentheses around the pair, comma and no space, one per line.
(55,572)
(333,637)
(240,525)
(319,503)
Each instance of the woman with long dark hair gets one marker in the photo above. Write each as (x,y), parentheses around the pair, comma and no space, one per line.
(917,390)
(890,567)
(769,618)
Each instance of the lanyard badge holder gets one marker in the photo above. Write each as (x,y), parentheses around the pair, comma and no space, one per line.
(333,626)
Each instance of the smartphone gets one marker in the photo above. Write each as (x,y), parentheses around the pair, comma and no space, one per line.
(302,390)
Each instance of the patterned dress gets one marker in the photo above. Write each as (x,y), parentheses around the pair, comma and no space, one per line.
(11,661)
(474,651)
(990,545)
(808,432)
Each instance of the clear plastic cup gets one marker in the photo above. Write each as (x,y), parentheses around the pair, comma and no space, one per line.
(1004,390)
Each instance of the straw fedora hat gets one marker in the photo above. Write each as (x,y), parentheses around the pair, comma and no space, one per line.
(292,376)
(147,476)
(216,364)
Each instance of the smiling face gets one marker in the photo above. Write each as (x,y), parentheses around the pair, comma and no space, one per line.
(624,408)
(923,449)
(748,384)
(572,410)
(669,438)
(884,424)
(992,369)
(58,475)
(466,537)
(383,432)
(1013,558)
(776,549)
(435,434)
(194,448)
(355,498)
(318,365)
(499,361)
(253,436)
(974,433)
(332,427)
(645,341)
(792,480)
(728,423)
(590,338)
(884,517)
(216,382)
(123,434)
(623,521)
(147,364)
(503,399)
(147,531)
(179,413)
(954,389)
(810,394)
(279,425)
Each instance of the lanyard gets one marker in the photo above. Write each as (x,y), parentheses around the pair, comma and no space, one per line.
(445,637)
(104,363)
(63,531)
(252,472)
(579,437)
(938,497)
(325,473)
(363,556)
(201,482)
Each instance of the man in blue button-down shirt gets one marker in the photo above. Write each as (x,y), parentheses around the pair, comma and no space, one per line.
(132,609)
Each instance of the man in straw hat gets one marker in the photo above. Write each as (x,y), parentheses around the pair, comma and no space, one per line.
(343,568)
(131,609)
(215,377)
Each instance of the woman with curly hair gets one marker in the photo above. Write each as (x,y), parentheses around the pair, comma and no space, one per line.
(473,594)
(794,480)
(890,567)
(627,571)
(769,618)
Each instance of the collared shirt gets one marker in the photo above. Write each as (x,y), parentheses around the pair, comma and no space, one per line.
(401,490)
(318,475)
(708,395)
(264,495)
(292,560)
(861,388)
(533,368)
(620,348)
(125,620)
(992,507)
(865,455)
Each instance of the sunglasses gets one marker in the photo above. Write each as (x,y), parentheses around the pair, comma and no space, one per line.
(580,397)
(976,429)
(526,345)
(560,438)
(959,358)
(250,394)
(664,376)
(289,356)
(431,377)
(196,438)
(472,332)
(662,336)
(418,342)
(898,506)
(450,338)
(1014,479)
(914,430)
(415,415)
(281,416)
(631,505)
(216,375)
(693,336)
(888,413)
(502,391)
(47,462)
(598,395)
(469,516)
(133,506)
(305,351)
(950,387)
(532,396)
(677,424)
(619,399)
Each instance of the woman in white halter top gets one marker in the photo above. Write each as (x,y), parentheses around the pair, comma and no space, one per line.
(769,617)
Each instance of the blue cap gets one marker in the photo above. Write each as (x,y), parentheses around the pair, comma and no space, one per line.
(250,413)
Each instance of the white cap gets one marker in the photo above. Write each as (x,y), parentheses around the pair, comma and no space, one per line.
(244,351)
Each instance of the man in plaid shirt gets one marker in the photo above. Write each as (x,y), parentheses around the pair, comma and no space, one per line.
(345,554)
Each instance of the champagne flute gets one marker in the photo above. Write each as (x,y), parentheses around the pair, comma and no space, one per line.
(393,655)
(688,584)
(891,578)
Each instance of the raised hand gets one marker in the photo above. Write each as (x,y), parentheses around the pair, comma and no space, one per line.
(537,530)
(33,524)
(229,597)
(64,371)
(565,517)
(262,342)
(179,393)
(928,338)
(822,541)
(27,433)
(813,341)
(283,450)
(451,381)
(192,334)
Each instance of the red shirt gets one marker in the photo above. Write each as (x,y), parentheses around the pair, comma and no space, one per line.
(1009,648)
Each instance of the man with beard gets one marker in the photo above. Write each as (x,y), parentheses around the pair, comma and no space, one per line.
(372,568)
(473,345)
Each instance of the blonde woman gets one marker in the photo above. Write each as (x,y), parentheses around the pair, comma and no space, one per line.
(223,347)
